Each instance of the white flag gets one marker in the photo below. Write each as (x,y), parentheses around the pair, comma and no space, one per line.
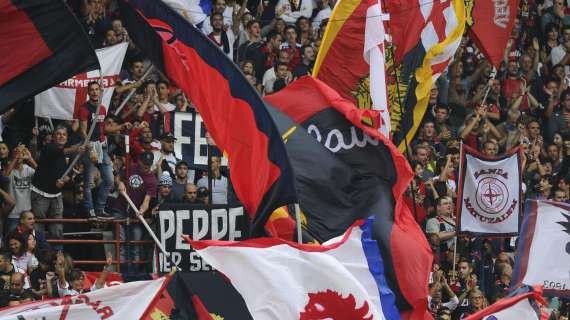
(189,9)
(374,55)
(543,256)
(343,279)
(62,101)
(125,301)
(489,193)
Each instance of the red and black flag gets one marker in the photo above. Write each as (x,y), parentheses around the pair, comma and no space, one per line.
(346,170)
(42,44)
(233,112)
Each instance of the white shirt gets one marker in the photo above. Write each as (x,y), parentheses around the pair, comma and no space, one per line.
(556,55)
(269,78)
(219,189)
(231,41)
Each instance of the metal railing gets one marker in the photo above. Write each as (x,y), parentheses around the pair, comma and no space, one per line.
(116,224)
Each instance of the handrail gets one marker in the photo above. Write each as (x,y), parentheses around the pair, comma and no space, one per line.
(117,242)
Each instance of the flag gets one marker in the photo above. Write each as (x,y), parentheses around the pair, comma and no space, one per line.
(340,62)
(196,295)
(426,35)
(195,11)
(346,170)
(234,114)
(489,193)
(355,24)
(491,23)
(519,304)
(545,234)
(114,302)
(63,100)
(285,280)
(42,45)
(374,56)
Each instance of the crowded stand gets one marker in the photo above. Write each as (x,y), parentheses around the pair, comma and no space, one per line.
(525,103)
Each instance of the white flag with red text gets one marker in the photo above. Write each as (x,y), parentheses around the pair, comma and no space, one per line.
(489,193)
(61,101)
(125,301)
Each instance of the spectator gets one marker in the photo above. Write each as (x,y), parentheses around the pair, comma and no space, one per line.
(203,195)
(141,187)
(184,176)
(292,10)
(18,244)
(165,194)
(47,182)
(251,49)
(305,66)
(218,181)
(20,171)
(191,194)
(443,224)
(27,223)
(76,278)
(292,47)
(165,160)
(19,295)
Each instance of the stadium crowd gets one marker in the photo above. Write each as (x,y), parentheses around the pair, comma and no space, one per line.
(525,103)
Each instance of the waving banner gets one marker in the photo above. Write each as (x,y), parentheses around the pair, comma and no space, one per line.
(114,302)
(543,255)
(489,193)
(216,222)
(63,100)
(491,23)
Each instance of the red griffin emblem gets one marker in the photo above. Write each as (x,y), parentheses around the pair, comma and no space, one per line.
(493,203)
(331,305)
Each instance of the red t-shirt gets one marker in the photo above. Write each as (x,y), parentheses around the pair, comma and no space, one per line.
(86,113)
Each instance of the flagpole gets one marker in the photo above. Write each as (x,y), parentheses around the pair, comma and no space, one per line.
(128,97)
(402,107)
(145,224)
(298,223)
(85,143)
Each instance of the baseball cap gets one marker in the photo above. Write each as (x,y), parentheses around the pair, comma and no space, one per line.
(167,136)
(165,180)
(147,158)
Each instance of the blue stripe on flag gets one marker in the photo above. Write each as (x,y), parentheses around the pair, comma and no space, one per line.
(376,267)
(206,6)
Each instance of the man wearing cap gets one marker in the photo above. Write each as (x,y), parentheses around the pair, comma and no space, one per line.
(165,161)
(141,187)
(183,177)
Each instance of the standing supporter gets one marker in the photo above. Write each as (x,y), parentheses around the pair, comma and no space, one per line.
(184,176)
(47,182)
(135,81)
(219,182)
(92,113)
(141,187)
(165,160)
(291,10)
(443,223)
(20,172)
(292,47)
(560,121)
(270,75)
(222,37)
(251,49)
(305,66)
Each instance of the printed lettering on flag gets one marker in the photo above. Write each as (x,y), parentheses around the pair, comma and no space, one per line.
(521,310)
(544,248)
(191,143)
(489,193)
(114,302)
(217,222)
(62,101)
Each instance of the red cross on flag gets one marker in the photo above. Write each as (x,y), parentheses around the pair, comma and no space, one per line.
(61,101)
(489,193)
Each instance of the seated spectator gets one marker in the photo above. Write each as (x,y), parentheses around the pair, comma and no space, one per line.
(27,222)
(76,278)
(38,277)
(19,295)
(18,244)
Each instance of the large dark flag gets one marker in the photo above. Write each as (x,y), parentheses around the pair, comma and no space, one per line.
(43,44)
(231,109)
(346,170)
